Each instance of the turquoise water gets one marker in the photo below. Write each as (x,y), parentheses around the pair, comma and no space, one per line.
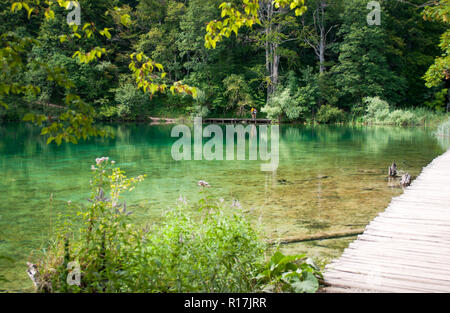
(328,179)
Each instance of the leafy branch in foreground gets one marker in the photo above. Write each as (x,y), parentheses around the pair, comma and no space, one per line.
(77,120)
(233,18)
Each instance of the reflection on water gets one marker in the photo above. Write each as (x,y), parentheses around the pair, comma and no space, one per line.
(328,179)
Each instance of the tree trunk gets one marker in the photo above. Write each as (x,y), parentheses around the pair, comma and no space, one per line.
(322,46)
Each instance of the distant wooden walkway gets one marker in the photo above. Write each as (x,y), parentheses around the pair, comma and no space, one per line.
(407,247)
(236,121)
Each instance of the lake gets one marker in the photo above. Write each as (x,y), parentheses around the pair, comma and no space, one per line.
(329,178)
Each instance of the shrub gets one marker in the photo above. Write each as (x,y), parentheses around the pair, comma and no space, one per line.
(328,114)
(213,250)
(402,118)
(377,110)
(238,93)
(218,253)
(131,103)
(283,102)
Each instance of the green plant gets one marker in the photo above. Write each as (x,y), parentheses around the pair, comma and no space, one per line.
(283,103)
(99,245)
(216,252)
(328,115)
(238,93)
(377,110)
(201,248)
(131,102)
(444,129)
(438,103)
(293,273)
(401,118)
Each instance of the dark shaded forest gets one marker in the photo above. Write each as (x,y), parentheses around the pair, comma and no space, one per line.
(327,60)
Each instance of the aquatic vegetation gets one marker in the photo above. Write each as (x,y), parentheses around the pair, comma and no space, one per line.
(214,250)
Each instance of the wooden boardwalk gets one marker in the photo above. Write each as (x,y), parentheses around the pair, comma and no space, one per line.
(219,120)
(407,247)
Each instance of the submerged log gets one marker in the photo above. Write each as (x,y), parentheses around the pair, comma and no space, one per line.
(318,236)
(406,180)
(393,170)
(38,282)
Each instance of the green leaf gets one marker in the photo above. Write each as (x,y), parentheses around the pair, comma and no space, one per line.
(29,12)
(309,284)
(16,6)
(29,117)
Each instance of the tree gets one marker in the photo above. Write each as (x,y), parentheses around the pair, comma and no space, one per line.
(411,47)
(363,69)
(271,15)
(440,70)
(238,93)
(76,121)
(317,34)
(278,27)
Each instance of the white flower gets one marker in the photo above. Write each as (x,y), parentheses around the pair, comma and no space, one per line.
(101,160)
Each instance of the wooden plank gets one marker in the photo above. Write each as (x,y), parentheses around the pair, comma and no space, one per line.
(397,262)
(406,248)
(417,277)
(351,280)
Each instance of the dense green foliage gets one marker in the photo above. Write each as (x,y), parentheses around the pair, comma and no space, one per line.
(378,111)
(213,250)
(275,61)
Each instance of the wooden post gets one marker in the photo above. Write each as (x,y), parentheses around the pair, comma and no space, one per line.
(393,170)
(406,180)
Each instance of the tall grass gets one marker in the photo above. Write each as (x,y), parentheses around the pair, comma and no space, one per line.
(378,112)
(444,129)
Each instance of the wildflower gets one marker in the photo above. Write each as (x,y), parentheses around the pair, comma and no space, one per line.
(236,204)
(101,160)
(93,168)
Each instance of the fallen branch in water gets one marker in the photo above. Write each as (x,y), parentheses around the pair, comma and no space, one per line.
(318,236)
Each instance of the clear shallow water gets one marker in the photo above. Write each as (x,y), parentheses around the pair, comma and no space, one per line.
(328,179)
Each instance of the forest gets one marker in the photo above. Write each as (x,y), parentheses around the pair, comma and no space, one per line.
(81,70)
(327,64)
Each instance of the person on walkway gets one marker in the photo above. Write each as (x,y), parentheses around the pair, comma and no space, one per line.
(254,113)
